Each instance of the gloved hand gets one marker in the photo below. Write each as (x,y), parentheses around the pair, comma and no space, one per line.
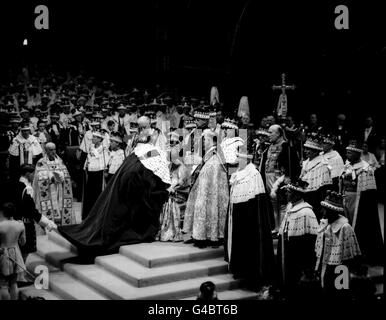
(46,223)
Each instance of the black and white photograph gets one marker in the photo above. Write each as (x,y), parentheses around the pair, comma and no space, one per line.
(211,151)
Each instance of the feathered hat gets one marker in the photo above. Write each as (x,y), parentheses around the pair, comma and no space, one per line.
(243,107)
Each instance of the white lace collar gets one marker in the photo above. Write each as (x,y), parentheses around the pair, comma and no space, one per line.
(331,154)
(314,162)
(338,224)
(359,165)
(299,206)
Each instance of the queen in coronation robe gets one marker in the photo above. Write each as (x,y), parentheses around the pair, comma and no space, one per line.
(53,190)
(208,200)
(249,227)
(128,210)
(173,209)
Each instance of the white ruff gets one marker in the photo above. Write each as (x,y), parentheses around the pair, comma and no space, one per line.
(246,184)
(299,220)
(157,164)
(316,173)
(335,163)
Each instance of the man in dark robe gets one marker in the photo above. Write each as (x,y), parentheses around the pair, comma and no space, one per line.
(315,172)
(128,209)
(248,225)
(336,245)
(297,235)
(361,205)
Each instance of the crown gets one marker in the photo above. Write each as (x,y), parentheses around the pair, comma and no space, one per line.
(190,123)
(297,185)
(201,115)
(229,124)
(262,131)
(329,138)
(314,141)
(333,201)
(354,145)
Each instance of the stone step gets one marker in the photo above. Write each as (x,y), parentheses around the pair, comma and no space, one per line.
(35,260)
(31,291)
(157,254)
(69,288)
(116,288)
(379,289)
(236,294)
(52,252)
(140,276)
(60,240)
(376,273)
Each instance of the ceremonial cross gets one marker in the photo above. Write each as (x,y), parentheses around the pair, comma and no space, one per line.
(283,86)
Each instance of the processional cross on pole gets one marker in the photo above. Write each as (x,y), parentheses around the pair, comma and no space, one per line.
(282,107)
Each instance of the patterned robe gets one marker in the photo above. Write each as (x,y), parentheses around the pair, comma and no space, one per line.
(318,176)
(361,208)
(296,245)
(53,195)
(336,244)
(207,204)
(173,210)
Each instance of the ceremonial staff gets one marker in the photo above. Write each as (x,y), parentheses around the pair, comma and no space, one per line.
(282,109)
(301,142)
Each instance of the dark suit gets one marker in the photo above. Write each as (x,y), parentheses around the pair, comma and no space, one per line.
(27,212)
(372,139)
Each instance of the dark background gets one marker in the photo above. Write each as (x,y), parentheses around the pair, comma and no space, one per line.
(194,44)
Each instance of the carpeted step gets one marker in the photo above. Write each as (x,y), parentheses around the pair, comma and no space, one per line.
(35,260)
(379,289)
(236,294)
(157,254)
(140,276)
(376,273)
(52,252)
(116,288)
(69,288)
(60,240)
(31,291)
